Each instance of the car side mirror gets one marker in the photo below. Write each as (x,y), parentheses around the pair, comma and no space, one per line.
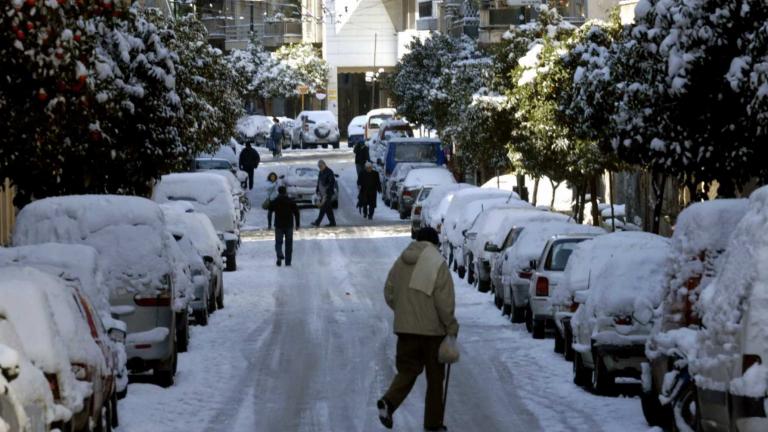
(490,247)
(11,369)
(117,335)
(533,264)
(580,297)
(282,176)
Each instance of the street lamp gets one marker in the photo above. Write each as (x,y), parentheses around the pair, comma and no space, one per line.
(372,77)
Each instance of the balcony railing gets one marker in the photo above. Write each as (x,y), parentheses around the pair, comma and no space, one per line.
(282,32)
(426,24)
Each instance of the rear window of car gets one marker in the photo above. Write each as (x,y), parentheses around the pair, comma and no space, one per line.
(424,194)
(560,253)
(415,152)
(212,164)
(307,172)
(377,120)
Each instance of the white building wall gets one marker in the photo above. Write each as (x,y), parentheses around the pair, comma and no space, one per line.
(599,9)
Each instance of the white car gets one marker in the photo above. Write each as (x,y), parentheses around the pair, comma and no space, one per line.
(431,204)
(254,129)
(418,179)
(516,269)
(12,414)
(221,164)
(702,233)
(356,130)
(627,276)
(316,128)
(547,276)
(301,183)
(28,309)
(729,368)
(211,195)
(130,237)
(389,183)
(374,119)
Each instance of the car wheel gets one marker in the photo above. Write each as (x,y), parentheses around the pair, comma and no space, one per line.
(581,375)
(455,266)
(471,276)
(404,216)
(497,301)
(232,262)
(220,297)
(559,342)
(104,422)
(201,316)
(395,205)
(568,351)
(483,286)
(462,271)
(518,314)
(325,146)
(506,310)
(164,374)
(685,410)
(336,145)
(602,380)
(182,331)
(539,329)
(529,319)
(654,412)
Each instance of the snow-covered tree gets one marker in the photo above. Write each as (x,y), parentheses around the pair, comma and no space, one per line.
(88,101)
(681,109)
(262,73)
(308,64)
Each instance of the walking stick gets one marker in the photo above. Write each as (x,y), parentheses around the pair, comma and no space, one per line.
(445,391)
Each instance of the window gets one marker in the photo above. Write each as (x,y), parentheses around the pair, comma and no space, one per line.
(425,9)
(415,152)
(560,253)
(514,233)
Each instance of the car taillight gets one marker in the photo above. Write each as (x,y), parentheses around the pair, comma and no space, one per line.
(525,274)
(542,287)
(407,193)
(80,371)
(417,210)
(750,360)
(158,301)
(53,383)
(622,320)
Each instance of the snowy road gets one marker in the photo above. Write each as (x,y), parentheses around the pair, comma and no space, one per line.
(310,348)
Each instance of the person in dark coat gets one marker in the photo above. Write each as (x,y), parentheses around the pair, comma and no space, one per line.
(249,161)
(326,190)
(362,155)
(285,211)
(370,187)
(276,135)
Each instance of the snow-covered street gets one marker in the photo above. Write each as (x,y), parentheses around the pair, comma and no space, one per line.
(310,347)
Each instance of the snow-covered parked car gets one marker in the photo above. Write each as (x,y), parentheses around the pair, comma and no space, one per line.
(433,207)
(463,229)
(418,179)
(211,195)
(547,276)
(500,234)
(390,129)
(239,197)
(208,279)
(133,244)
(456,202)
(27,307)
(356,131)
(730,368)
(374,119)
(221,164)
(626,283)
(78,266)
(516,270)
(254,129)
(701,236)
(390,183)
(301,182)
(316,128)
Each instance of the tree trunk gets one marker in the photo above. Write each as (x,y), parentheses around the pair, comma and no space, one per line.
(593,198)
(555,185)
(536,191)
(658,181)
(610,197)
(521,187)
(582,201)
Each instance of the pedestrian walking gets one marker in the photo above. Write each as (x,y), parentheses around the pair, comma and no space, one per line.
(272,185)
(326,191)
(370,186)
(419,290)
(362,155)
(249,161)
(276,135)
(285,211)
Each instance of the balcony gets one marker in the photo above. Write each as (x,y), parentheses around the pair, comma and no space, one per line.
(282,32)
(426,24)
(215,25)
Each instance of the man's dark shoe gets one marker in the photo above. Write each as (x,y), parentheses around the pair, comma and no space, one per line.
(436,429)
(331,225)
(279,262)
(385,413)
(287,263)
(315,224)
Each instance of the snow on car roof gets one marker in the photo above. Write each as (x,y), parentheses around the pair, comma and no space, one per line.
(432,203)
(576,274)
(128,233)
(743,274)
(465,196)
(252,125)
(414,140)
(463,219)
(358,121)
(393,123)
(324,116)
(234,184)
(535,235)
(420,177)
(209,193)
(517,217)
(26,306)
(198,228)
(403,168)
(628,273)
(74,262)
(381,111)
(708,225)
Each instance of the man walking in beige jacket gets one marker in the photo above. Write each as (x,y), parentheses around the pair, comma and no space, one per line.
(419,290)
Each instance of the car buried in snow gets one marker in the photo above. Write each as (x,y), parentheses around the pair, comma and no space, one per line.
(419,179)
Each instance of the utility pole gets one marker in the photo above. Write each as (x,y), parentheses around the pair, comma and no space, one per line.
(373,83)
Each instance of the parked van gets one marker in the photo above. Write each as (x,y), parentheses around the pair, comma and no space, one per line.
(730,368)
(400,150)
(375,118)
